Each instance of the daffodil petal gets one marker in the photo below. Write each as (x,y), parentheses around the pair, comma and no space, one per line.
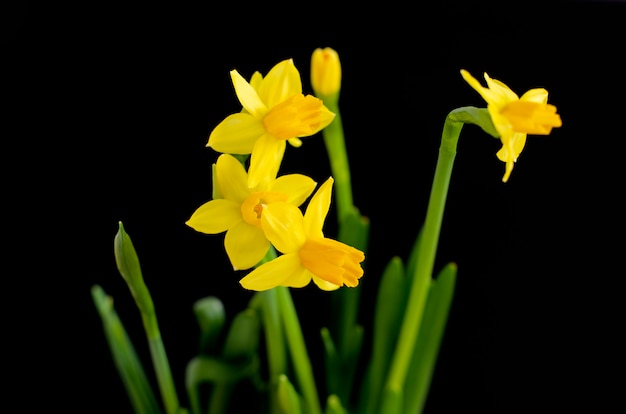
(295,142)
(245,245)
(299,278)
(281,82)
(298,186)
(236,134)
(215,216)
(265,160)
(324,285)
(503,92)
(274,273)
(538,95)
(317,210)
(498,97)
(247,96)
(283,226)
(232,178)
(326,117)
(255,80)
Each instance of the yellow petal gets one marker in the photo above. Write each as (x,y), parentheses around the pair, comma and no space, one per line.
(499,96)
(255,80)
(498,88)
(332,260)
(282,82)
(248,97)
(267,154)
(298,278)
(283,226)
(236,134)
(324,285)
(295,142)
(325,118)
(215,216)
(317,210)
(245,245)
(538,95)
(232,178)
(298,116)
(531,117)
(274,273)
(298,187)
(512,146)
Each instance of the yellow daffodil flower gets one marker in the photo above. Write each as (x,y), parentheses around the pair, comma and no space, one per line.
(325,72)
(240,210)
(515,117)
(275,111)
(306,253)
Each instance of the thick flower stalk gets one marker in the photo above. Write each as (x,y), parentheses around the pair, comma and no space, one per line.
(306,254)
(239,211)
(274,111)
(514,117)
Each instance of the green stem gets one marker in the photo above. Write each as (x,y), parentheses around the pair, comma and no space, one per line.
(274,339)
(424,267)
(338,158)
(297,348)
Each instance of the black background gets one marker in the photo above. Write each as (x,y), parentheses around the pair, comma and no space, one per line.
(107,113)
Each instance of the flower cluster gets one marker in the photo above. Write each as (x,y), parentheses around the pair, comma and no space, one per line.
(273,227)
(259,209)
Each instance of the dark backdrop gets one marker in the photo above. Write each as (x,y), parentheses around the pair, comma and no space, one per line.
(108,109)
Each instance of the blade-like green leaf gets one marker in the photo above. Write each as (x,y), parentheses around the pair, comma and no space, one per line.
(390,305)
(124,356)
(429,339)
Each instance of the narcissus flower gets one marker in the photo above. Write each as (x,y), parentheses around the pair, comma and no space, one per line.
(240,210)
(306,253)
(515,117)
(275,111)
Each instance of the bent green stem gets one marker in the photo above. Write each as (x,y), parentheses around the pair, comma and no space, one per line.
(424,267)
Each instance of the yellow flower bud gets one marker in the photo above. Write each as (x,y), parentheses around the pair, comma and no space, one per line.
(325,72)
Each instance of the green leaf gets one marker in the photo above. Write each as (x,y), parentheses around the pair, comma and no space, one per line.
(354,230)
(288,398)
(390,305)
(124,356)
(243,336)
(211,317)
(428,342)
(333,405)
(204,369)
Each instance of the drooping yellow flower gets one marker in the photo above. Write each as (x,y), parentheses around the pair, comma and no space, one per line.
(275,111)
(306,253)
(240,210)
(325,72)
(515,117)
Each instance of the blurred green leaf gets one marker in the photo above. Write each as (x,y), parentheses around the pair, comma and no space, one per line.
(333,405)
(211,318)
(288,397)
